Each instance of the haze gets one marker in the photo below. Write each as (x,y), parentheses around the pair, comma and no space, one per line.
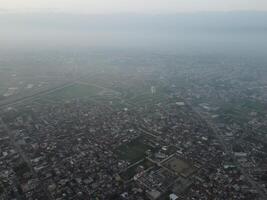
(137,6)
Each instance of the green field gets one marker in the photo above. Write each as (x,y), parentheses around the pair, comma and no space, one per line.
(239,111)
(254,106)
(147,98)
(133,151)
(141,94)
(74,91)
(2,90)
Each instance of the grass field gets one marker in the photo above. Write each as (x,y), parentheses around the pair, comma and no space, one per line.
(74,91)
(133,151)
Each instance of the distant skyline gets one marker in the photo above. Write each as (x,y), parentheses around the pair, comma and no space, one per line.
(130,6)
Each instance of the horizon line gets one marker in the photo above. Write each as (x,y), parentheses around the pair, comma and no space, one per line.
(4,11)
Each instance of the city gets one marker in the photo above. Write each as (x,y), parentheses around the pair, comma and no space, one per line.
(139,133)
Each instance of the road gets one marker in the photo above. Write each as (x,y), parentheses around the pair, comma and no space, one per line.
(24,157)
(23,99)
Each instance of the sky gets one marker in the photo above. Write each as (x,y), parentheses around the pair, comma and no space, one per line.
(59,23)
(130,6)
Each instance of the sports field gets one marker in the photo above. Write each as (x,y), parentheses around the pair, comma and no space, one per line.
(179,166)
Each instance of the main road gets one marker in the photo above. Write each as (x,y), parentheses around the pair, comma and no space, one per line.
(228,151)
(27,98)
